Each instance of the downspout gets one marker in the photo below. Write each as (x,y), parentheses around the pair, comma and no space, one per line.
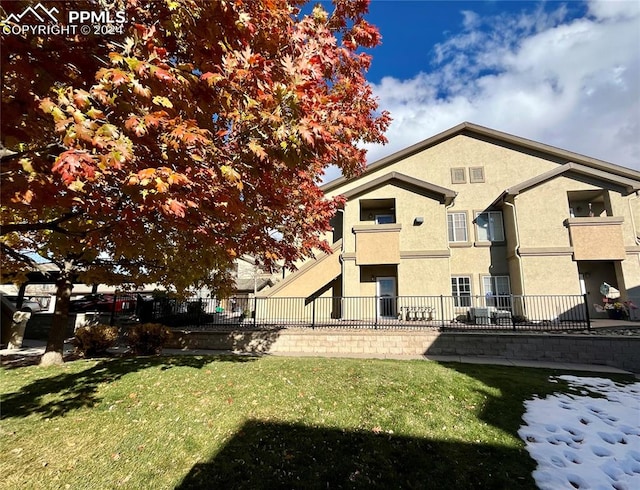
(633,221)
(342,274)
(447,207)
(517,247)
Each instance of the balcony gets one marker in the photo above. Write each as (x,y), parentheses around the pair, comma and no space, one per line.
(377,244)
(596,238)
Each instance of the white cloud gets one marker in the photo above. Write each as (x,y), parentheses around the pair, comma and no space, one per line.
(574,84)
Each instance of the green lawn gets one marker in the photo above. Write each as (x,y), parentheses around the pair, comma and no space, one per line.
(223,422)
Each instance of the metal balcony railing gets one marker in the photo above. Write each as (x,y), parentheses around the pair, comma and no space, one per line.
(492,312)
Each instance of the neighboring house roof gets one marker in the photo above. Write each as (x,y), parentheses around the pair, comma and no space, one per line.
(249,259)
(45,273)
(496,137)
(443,194)
(244,285)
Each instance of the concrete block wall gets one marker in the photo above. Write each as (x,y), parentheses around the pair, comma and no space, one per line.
(618,351)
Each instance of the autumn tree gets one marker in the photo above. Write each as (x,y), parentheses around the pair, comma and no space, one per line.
(197,134)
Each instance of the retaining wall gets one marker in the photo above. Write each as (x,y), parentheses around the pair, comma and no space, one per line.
(612,350)
(39,324)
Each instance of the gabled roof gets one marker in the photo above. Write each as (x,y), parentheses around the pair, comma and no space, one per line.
(572,167)
(625,185)
(496,137)
(443,194)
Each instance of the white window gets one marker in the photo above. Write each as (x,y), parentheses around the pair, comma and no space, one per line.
(490,227)
(497,291)
(457,225)
(461,290)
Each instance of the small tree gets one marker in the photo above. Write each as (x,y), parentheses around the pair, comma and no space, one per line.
(162,153)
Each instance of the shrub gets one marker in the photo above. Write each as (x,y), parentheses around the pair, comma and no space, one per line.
(90,340)
(148,338)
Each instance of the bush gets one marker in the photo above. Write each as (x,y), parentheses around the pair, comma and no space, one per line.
(91,340)
(148,339)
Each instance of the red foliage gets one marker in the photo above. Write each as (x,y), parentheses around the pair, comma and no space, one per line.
(206,126)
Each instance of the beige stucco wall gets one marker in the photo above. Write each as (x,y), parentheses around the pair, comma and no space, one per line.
(543,216)
(424,277)
(541,212)
(597,238)
(409,205)
(537,252)
(311,278)
(550,275)
(504,167)
(377,244)
(630,269)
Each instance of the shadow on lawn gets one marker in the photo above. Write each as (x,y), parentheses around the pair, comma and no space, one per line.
(72,391)
(270,455)
(516,385)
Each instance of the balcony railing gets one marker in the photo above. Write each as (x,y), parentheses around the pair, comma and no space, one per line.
(500,312)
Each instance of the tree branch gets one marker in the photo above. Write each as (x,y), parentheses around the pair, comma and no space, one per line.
(21,257)
(7,155)
(46,225)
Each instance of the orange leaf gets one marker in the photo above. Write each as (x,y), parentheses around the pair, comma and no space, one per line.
(176,208)
(255,147)
(161,185)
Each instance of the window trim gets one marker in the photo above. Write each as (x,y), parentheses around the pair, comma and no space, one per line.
(504,303)
(457,298)
(466,227)
(477,227)
(493,277)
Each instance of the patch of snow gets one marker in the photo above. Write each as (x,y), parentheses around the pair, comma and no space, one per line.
(586,440)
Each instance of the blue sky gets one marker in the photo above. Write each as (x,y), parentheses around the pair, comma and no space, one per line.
(562,73)
(413,29)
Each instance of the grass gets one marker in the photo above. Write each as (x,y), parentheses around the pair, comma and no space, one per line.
(223,422)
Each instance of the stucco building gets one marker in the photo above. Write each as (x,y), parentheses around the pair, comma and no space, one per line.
(476,212)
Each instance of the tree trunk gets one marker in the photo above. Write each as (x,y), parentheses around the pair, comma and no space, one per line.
(55,344)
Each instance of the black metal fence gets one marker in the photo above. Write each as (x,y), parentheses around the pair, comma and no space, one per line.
(502,312)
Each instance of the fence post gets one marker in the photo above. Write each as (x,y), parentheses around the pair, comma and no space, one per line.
(313,313)
(113,309)
(200,307)
(586,310)
(513,323)
(377,300)
(442,312)
(255,311)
